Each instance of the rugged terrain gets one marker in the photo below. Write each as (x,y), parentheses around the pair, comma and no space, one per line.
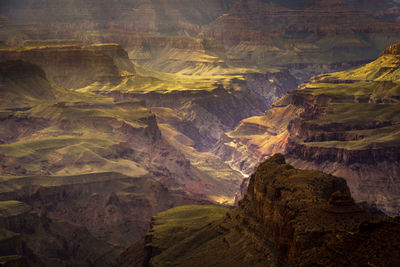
(74,66)
(112,111)
(91,139)
(307,37)
(343,123)
(30,238)
(90,161)
(192,112)
(289,217)
(301,32)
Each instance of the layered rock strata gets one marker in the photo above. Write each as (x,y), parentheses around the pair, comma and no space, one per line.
(344,123)
(288,217)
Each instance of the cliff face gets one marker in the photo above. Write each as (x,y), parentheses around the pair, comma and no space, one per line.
(309,37)
(29,238)
(112,207)
(342,123)
(159,16)
(75,66)
(289,217)
(183,55)
(279,33)
(277,208)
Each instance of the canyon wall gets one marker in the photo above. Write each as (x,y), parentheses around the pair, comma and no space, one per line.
(343,123)
(74,66)
(308,37)
(289,217)
(87,160)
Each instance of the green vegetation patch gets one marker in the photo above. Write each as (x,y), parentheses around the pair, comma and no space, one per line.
(182,222)
(346,89)
(202,236)
(360,113)
(12,183)
(372,139)
(24,148)
(385,68)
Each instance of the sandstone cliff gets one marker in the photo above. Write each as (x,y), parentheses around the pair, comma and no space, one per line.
(343,123)
(289,217)
(75,66)
(311,32)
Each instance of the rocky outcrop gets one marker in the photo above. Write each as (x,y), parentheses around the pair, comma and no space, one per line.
(117,215)
(29,238)
(289,217)
(339,123)
(392,50)
(276,208)
(75,66)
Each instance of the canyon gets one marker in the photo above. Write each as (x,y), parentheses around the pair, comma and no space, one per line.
(307,37)
(92,140)
(342,123)
(114,111)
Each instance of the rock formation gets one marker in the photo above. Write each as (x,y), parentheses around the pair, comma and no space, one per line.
(75,66)
(288,217)
(90,161)
(94,141)
(308,37)
(344,123)
(30,238)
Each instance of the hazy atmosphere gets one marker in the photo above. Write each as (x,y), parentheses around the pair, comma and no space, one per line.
(199,133)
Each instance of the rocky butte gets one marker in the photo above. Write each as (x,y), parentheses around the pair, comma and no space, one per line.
(289,217)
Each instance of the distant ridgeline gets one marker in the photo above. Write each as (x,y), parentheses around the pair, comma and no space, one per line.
(289,217)
(308,37)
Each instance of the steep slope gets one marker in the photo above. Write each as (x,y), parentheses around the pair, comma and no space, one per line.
(344,123)
(29,238)
(195,112)
(74,66)
(307,37)
(74,145)
(48,130)
(289,217)
(90,161)
(183,55)
(303,35)
(114,208)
